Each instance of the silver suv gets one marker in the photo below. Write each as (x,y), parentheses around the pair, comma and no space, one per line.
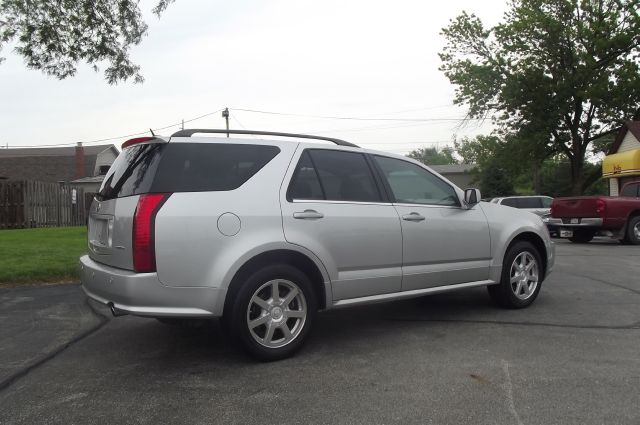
(264,233)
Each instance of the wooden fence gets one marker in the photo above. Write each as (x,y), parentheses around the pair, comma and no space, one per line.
(26,204)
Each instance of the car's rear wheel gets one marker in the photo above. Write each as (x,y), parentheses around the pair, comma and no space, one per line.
(272,312)
(521,278)
(632,235)
(582,236)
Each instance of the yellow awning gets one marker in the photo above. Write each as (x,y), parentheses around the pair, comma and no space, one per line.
(622,164)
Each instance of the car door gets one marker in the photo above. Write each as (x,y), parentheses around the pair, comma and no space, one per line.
(443,242)
(334,206)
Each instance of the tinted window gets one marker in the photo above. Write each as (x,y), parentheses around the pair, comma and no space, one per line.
(531,202)
(305,183)
(132,172)
(413,184)
(546,202)
(510,202)
(344,176)
(630,190)
(183,167)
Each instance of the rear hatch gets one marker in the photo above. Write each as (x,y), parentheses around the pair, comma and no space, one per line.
(151,171)
(578,207)
(112,211)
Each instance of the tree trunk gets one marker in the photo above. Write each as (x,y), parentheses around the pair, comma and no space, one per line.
(577,176)
(537,181)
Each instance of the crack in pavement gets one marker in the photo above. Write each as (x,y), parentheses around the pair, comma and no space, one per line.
(102,318)
(616,285)
(632,326)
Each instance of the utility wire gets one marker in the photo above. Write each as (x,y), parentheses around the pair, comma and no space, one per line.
(118,137)
(353,118)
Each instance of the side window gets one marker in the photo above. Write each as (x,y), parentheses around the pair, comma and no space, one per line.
(412,184)
(546,202)
(630,190)
(510,202)
(530,202)
(305,183)
(344,176)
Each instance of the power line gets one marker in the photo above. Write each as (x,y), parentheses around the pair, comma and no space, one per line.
(119,137)
(354,118)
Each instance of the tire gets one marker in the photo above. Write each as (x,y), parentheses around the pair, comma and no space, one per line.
(279,327)
(524,290)
(582,236)
(632,235)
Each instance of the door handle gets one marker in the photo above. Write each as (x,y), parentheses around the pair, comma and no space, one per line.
(414,216)
(308,214)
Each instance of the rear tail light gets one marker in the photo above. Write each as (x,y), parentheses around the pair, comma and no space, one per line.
(144,230)
(601,207)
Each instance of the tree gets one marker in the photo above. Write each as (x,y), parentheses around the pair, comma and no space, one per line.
(566,71)
(55,36)
(494,181)
(433,156)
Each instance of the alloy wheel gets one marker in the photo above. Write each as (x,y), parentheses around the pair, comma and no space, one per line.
(523,276)
(276,313)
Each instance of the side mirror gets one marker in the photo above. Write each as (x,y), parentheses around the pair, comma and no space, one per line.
(472,196)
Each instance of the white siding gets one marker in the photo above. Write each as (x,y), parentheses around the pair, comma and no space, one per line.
(613,187)
(629,143)
(106,157)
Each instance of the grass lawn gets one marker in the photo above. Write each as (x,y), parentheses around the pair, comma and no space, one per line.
(41,255)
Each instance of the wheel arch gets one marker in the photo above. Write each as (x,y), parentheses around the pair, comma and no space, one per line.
(320,281)
(536,241)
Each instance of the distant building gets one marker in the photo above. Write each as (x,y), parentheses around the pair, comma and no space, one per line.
(459,174)
(622,165)
(84,165)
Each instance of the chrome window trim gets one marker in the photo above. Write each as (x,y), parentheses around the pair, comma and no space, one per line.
(324,201)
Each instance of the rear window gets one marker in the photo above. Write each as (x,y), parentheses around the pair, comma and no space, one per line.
(510,202)
(183,167)
(630,190)
(529,203)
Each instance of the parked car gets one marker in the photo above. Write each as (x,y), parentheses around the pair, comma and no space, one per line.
(264,233)
(581,218)
(540,205)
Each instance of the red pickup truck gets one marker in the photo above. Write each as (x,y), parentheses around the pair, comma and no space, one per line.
(581,218)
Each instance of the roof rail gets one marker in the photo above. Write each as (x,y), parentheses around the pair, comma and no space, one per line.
(191,132)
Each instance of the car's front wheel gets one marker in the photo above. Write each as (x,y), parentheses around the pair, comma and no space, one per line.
(521,277)
(272,312)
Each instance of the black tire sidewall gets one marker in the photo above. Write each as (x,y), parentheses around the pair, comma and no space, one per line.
(582,236)
(508,298)
(237,320)
(631,238)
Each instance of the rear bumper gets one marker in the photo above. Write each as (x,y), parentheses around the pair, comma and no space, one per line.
(142,294)
(584,222)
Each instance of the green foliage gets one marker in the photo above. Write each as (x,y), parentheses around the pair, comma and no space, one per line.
(495,181)
(554,73)
(506,167)
(434,156)
(41,255)
(55,36)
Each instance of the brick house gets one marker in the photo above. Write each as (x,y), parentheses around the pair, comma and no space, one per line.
(82,166)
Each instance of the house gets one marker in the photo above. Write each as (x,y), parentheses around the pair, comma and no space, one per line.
(622,165)
(459,174)
(82,166)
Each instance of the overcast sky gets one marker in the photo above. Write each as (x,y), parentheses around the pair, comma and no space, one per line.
(356,58)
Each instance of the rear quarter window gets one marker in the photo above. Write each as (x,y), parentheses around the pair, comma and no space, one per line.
(197,167)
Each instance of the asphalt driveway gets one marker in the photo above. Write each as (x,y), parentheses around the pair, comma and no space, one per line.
(571,358)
